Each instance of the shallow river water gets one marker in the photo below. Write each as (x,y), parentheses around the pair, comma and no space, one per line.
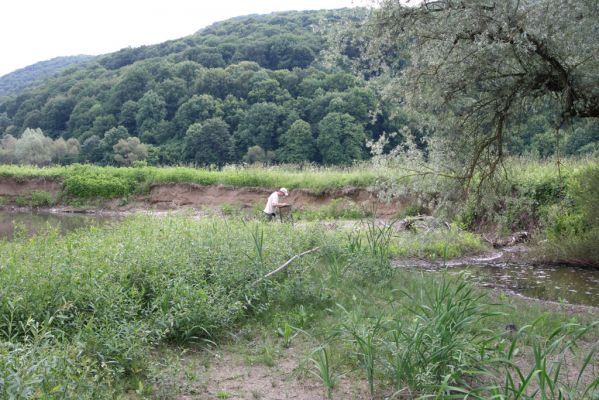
(30,223)
(554,283)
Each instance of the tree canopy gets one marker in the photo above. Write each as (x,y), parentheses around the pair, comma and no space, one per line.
(257,75)
(483,67)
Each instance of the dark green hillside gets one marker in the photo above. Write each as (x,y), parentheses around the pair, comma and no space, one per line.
(277,41)
(24,77)
(247,89)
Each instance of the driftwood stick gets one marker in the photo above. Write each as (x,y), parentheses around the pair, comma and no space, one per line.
(283,266)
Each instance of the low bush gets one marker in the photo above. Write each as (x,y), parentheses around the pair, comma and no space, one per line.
(412,210)
(36,198)
(47,368)
(572,227)
(437,244)
(86,182)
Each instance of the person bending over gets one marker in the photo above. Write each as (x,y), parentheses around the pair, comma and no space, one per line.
(273,202)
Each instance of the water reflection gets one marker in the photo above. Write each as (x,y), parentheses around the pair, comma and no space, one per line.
(555,283)
(30,223)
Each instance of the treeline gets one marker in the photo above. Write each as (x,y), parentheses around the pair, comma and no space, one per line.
(211,115)
(250,89)
(200,100)
(34,148)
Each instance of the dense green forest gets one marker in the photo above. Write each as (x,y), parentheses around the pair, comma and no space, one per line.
(250,89)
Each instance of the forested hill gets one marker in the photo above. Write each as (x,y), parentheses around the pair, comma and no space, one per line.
(253,88)
(277,41)
(250,88)
(24,77)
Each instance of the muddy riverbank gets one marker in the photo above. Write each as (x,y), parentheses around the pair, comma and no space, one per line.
(174,196)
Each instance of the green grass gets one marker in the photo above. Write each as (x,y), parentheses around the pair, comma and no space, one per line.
(94,181)
(82,313)
(438,244)
(335,209)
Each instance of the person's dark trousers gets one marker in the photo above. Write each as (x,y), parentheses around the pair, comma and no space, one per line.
(270,216)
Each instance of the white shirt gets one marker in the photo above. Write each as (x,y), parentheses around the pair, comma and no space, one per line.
(273,200)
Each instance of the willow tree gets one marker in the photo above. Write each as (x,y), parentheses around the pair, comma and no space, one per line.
(477,67)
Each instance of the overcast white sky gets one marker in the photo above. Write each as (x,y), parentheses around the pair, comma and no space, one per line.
(37,30)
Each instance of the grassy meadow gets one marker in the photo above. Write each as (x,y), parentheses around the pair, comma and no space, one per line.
(556,205)
(91,314)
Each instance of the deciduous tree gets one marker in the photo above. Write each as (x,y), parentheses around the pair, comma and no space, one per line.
(209,142)
(127,151)
(298,145)
(33,147)
(341,139)
(477,65)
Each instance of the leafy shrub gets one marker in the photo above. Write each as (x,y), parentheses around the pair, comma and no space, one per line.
(116,291)
(35,199)
(572,227)
(41,199)
(44,368)
(85,182)
(585,191)
(517,213)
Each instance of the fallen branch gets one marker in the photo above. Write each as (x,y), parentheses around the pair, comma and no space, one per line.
(282,267)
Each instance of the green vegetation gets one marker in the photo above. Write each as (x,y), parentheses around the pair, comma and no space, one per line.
(573,226)
(280,88)
(37,198)
(439,244)
(238,88)
(530,196)
(87,315)
(90,181)
(24,77)
(335,209)
(82,312)
(519,90)
(99,299)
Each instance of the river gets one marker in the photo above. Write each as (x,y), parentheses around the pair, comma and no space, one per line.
(29,223)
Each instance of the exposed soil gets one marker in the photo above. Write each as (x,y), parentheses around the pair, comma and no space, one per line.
(12,187)
(175,196)
(229,374)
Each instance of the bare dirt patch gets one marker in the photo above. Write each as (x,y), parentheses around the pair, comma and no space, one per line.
(11,187)
(176,195)
(231,375)
(227,374)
